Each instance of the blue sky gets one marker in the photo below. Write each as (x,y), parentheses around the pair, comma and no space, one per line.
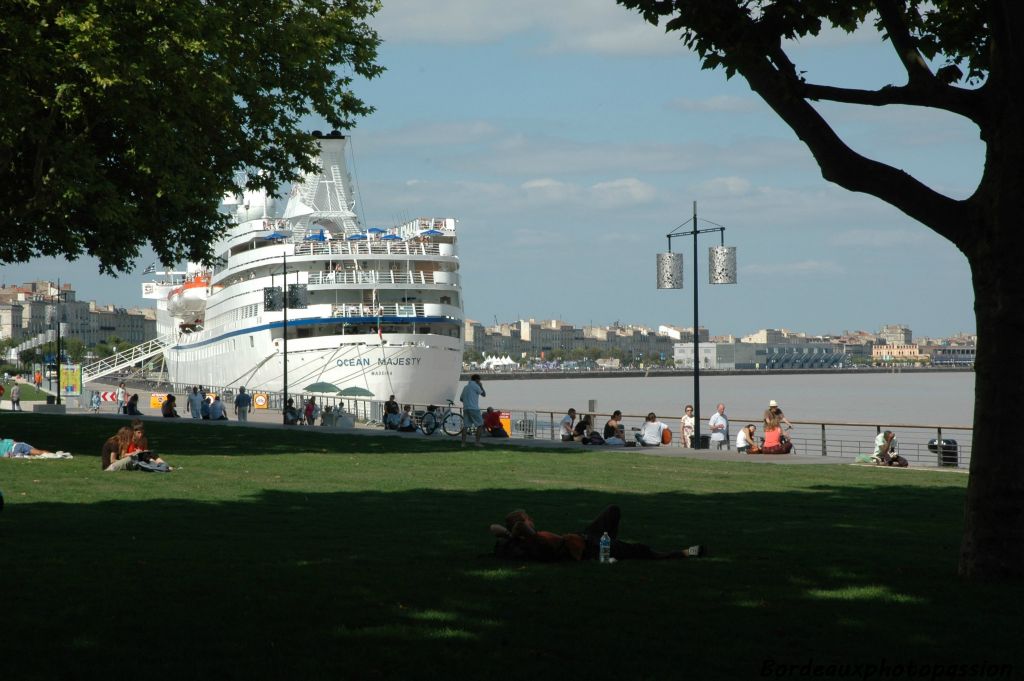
(568,138)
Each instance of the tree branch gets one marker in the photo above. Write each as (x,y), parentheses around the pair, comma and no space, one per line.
(845,167)
(903,42)
(967,103)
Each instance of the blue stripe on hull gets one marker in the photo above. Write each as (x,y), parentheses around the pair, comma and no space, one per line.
(317,322)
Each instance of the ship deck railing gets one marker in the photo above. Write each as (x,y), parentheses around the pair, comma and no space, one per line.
(378,277)
(362,248)
(392,310)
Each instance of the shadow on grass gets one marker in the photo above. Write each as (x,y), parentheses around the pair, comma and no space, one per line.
(85,435)
(367,585)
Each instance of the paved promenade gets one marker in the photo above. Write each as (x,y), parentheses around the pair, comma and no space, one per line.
(262,418)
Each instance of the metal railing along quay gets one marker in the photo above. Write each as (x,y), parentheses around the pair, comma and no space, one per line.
(921,444)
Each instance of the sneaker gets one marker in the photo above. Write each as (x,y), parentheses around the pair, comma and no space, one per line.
(500,531)
(696,551)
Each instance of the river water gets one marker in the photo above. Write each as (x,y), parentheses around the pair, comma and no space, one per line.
(922,398)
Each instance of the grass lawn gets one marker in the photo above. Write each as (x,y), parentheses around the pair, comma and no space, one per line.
(289,554)
(28,394)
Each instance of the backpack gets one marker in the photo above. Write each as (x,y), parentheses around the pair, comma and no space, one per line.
(666,437)
(595,439)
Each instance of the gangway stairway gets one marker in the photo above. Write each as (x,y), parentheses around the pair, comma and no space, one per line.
(126,359)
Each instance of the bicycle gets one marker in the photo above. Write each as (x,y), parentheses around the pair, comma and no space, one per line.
(451,422)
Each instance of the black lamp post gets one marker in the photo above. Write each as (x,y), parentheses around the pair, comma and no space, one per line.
(670,276)
(279,237)
(58,314)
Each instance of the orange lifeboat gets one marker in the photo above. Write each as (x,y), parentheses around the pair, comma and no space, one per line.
(189,299)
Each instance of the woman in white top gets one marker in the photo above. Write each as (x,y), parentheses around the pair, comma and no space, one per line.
(686,427)
(406,424)
(745,442)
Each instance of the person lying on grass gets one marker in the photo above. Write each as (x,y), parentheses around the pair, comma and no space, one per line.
(22,450)
(518,539)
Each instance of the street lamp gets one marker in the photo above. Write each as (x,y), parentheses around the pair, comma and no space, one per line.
(59,315)
(722,270)
(279,237)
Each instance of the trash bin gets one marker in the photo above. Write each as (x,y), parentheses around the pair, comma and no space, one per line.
(51,399)
(705,442)
(948,451)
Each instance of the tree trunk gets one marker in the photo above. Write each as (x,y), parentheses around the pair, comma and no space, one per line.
(993,540)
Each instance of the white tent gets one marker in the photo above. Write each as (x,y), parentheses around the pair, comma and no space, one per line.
(498,363)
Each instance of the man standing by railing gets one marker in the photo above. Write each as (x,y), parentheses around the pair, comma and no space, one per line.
(471,415)
(719,426)
(194,403)
(243,404)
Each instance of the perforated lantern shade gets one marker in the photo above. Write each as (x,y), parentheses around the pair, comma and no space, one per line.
(722,265)
(670,270)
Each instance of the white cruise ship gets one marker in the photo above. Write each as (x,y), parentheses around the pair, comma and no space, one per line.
(374,308)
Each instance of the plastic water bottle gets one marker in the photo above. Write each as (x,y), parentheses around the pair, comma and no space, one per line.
(605,554)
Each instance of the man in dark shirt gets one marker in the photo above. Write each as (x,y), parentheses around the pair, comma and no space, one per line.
(392,413)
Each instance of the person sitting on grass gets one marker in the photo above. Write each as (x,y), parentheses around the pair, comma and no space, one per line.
(519,539)
(745,441)
(135,450)
(132,408)
(168,409)
(115,447)
(885,451)
(492,423)
(291,414)
(581,431)
(405,422)
(614,433)
(773,442)
(217,410)
(12,449)
(651,432)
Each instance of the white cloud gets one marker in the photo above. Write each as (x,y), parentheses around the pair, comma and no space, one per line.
(575,26)
(722,186)
(547,190)
(625,191)
(564,26)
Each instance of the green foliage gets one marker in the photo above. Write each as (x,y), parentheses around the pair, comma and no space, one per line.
(729,34)
(74,348)
(122,124)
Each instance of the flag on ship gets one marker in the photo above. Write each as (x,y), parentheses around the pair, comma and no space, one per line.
(150,270)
